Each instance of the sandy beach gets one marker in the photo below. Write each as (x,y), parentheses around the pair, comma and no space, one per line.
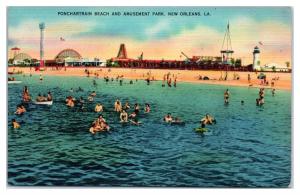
(281,80)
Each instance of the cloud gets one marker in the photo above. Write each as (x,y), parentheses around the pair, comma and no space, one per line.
(162,26)
(165,39)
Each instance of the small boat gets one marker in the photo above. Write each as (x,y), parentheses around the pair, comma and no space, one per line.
(44,103)
(14,82)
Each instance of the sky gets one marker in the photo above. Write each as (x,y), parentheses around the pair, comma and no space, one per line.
(158,37)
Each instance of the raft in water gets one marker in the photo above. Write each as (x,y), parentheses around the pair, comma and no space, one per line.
(201,130)
(44,103)
(14,82)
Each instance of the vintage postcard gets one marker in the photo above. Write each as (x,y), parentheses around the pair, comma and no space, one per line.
(149,96)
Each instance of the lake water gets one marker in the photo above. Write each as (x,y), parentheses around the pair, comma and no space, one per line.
(249,146)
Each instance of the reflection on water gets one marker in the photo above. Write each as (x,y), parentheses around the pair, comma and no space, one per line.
(249,146)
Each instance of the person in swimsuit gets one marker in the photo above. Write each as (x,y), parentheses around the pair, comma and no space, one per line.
(93,94)
(126,106)
(136,108)
(168,118)
(98,108)
(273,92)
(15,124)
(20,110)
(70,101)
(124,116)
(133,115)
(147,108)
(25,95)
(207,120)
(226,96)
(118,106)
(39,98)
(49,96)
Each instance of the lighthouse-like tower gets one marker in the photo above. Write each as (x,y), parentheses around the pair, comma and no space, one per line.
(256,61)
(42,29)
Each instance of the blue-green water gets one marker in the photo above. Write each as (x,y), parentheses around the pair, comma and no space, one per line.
(249,146)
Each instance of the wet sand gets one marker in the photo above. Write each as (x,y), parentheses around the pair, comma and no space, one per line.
(284,81)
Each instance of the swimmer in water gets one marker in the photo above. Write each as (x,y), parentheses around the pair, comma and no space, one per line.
(175,82)
(168,118)
(118,106)
(94,128)
(101,122)
(97,127)
(259,101)
(93,94)
(147,108)
(261,93)
(94,83)
(98,108)
(242,102)
(104,126)
(208,120)
(71,90)
(273,92)
(148,81)
(136,108)
(39,98)
(124,116)
(49,96)
(25,94)
(169,82)
(70,101)
(41,77)
(20,110)
(133,115)
(226,96)
(100,119)
(126,106)
(15,124)
(90,98)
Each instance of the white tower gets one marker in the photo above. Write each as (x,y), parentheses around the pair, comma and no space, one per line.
(256,61)
(42,29)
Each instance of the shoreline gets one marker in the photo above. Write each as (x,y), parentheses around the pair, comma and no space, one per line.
(189,76)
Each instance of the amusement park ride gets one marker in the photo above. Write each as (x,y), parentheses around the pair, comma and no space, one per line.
(121,60)
(226,50)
